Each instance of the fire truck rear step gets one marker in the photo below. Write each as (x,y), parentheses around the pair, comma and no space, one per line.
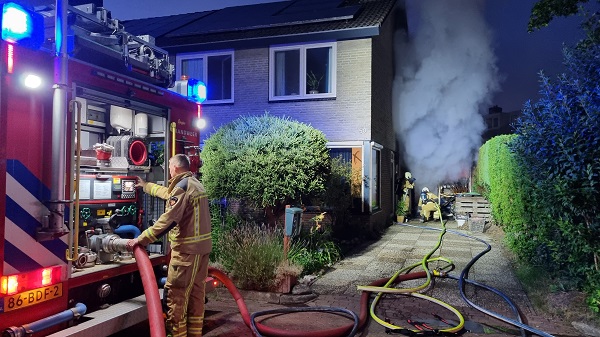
(109,321)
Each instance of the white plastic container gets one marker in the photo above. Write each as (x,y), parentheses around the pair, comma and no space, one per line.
(141,125)
(121,118)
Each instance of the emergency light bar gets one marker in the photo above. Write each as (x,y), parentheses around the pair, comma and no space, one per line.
(22,26)
(196,90)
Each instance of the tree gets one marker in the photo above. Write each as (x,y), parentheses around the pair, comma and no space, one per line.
(544,11)
(265,160)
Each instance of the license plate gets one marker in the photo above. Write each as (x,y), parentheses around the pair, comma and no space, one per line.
(32,297)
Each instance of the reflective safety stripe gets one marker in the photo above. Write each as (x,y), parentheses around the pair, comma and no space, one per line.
(194,331)
(153,190)
(196,220)
(190,286)
(193,239)
(149,234)
(180,334)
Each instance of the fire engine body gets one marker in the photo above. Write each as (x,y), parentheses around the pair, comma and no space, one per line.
(68,170)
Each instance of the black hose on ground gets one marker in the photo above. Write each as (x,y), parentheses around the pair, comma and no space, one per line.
(463,278)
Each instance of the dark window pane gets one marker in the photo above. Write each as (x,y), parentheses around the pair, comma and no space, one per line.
(345,154)
(317,70)
(193,68)
(218,86)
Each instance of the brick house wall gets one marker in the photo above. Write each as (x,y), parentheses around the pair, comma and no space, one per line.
(361,110)
(350,111)
(382,125)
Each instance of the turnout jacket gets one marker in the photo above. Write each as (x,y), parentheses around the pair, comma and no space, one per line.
(186,217)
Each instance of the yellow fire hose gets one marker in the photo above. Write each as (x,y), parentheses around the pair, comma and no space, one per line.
(386,289)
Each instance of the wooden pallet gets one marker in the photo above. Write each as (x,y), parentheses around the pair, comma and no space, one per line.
(473,207)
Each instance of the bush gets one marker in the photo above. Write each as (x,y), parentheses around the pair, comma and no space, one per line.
(314,251)
(501,180)
(222,221)
(251,254)
(265,160)
(558,146)
(337,197)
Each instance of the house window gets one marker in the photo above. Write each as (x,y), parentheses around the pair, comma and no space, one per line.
(375,178)
(495,122)
(352,153)
(214,69)
(302,72)
(344,154)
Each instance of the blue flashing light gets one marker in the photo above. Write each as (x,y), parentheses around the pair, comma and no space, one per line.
(22,26)
(196,90)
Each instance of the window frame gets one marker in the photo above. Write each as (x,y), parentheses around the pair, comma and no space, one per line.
(375,163)
(204,56)
(303,95)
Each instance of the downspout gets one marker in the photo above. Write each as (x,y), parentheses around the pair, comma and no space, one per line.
(56,226)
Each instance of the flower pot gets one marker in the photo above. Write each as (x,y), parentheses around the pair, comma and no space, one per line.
(313,91)
(286,285)
(400,218)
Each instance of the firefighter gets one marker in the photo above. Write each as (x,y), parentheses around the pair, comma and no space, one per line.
(187,213)
(427,204)
(408,192)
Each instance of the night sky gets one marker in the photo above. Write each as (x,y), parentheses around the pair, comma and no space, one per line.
(520,55)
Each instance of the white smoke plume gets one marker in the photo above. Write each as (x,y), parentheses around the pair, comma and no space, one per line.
(445,75)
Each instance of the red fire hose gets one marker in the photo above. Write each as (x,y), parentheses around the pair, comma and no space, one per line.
(340,331)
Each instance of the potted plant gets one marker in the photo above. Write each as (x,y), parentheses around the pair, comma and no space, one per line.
(313,82)
(401,209)
(286,276)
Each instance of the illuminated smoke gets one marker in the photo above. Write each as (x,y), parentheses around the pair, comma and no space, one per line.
(446,74)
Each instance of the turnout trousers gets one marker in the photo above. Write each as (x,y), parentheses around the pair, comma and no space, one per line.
(185,294)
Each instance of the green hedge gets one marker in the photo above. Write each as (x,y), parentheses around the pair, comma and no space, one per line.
(544,183)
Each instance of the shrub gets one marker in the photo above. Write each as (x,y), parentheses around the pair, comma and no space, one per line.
(251,254)
(314,251)
(265,160)
(558,146)
(222,221)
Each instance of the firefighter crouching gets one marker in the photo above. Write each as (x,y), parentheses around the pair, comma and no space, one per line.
(427,205)
(187,221)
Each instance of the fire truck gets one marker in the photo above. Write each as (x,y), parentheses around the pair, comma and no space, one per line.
(85,109)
